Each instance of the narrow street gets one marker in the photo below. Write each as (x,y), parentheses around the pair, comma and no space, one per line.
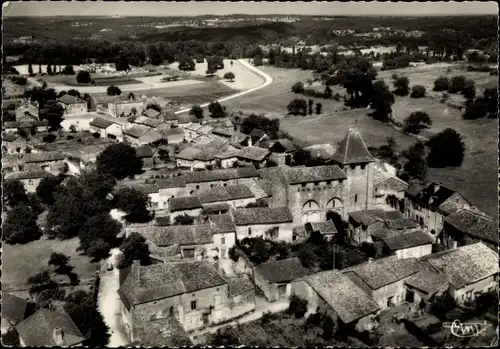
(109,306)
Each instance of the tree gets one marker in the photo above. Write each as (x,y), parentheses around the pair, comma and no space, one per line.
(96,184)
(469,89)
(491,98)
(47,188)
(131,96)
(328,92)
(441,84)
(402,86)
(68,70)
(319,106)
(229,76)
(83,77)
(441,304)
(298,306)
(308,256)
(30,69)
(120,160)
(270,126)
(52,112)
(416,166)
(113,91)
(59,261)
(416,122)
(457,83)
(184,219)
(187,64)
(446,149)
(210,70)
(257,61)
(382,101)
(40,69)
(217,110)
(418,91)
(35,204)
(49,70)
(298,87)
(225,337)
(122,63)
(99,228)
(14,193)
(134,247)
(20,226)
(197,111)
(301,157)
(134,204)
(476,109)
(297,106)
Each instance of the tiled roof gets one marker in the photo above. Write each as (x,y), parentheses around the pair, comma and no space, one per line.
(434,194)
(147,284)
(392,219)
(200,234)
(101,123)
(474,223)
(220,175)
(10,137)
(322,151)
(284,270)
(327,227)
(225,132)
(26,175)
(239,284)
(68,99)
(165,332)
(184,203)
(144,151)
(286,144)
(258,188)
(385,271)
(346,298)
(198,153)
(38,329)
(253,153)
(465,265)
(230,192)
(25,124)
(397,240)
(222,223)
(352,149)
(136,131)
(171,182)
(151,113)
(43,156)
(172,131)
(215,208)
(257,133)
(296,175)
(150,136)
(13,308)
(143,120)
(428,279)
(262,215)
(227,154)
(380,176)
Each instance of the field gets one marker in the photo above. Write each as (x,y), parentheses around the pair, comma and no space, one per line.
(476,178)
(117,81)
(23,261)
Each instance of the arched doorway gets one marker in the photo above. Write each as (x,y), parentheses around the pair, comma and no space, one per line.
(335,205)
(310,212)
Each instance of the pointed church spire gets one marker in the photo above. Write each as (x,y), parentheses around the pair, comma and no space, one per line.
(352,149)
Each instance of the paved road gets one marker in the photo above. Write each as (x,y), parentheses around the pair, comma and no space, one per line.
(109,306)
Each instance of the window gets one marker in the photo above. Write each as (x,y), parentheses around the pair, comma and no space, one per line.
(304,185)
(316,183)
(352,167)
(389,301)
(197,187)
(225,184)
(328,182)
(355,197)
(249,231)
(171,311)
(30,182)
(223,241)
(193,305)
(363,167)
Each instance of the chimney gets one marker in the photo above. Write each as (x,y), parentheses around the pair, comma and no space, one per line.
(58,336)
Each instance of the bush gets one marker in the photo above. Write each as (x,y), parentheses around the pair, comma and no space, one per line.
(328,92)
(416,122)
(229,76)
(298,306)
(469,89)
(314,319)
(49,138)
(446,149)
(113,91)
(68,70)
(457,83)
(83,77)
(441,84)
(297,106)
(402,86)
(298,87)
(418,91)
(96,135)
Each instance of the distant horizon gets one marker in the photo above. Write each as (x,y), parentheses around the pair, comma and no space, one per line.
(96,9)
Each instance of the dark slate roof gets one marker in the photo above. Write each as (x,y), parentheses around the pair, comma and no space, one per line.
(101,123)
(144,151)
(166,332)
(171,182)
(296,175)
(27,175)
(324,228)
(239,284)
(147,284)
(428,279)
(184,203)
(162,236)
(68,99)
(434,195)
(136,131)
(230,192)
(38,329)
(10,137)
(474,223)
(385,271)
(220,175)
(151,113)
(43,156)
(253,153)
(284,270)
(215,208)
(346,298)
(13,308)
(262,215)
(352,149)
(397,240)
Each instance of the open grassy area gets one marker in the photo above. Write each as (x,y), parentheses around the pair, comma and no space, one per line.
(22,261)
(116,80)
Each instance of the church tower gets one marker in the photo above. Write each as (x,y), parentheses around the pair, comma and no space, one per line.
(354,158)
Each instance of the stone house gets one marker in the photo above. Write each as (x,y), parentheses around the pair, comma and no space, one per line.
(333,294)
(193,293)
(233,195)
(196,157)
(193,131)
(52,161)
(151,113)
(274,277)
(404,244)
(227,159)
(467,226)
(120,107)
(204,180)
(13,311)
(73,104)
(430,205)
(282,150)
(327,229)
(12,143)
(173,135)
(187,205)
(107,129)
(388,189)
(27,109)
(273,223)
(146,121)
(465,271)
(171,187)
(253,156)
(28,126)
(384,279)
(139,135)
(29,179)
(47,328)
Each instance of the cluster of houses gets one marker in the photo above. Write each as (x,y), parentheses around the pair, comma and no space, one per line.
(235,185)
